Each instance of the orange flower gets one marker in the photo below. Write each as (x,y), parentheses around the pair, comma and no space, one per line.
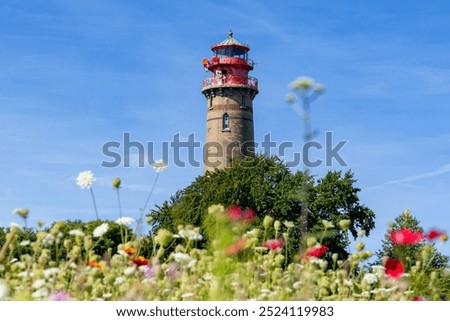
(140,260)
(235,248)
(129,250)
(95,264)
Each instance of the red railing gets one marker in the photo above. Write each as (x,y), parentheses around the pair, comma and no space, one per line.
(230,80)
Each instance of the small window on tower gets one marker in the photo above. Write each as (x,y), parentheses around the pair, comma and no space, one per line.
(211,102)
(226,122)
(243,105)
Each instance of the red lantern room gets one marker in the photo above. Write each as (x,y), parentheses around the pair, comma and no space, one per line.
(230,64)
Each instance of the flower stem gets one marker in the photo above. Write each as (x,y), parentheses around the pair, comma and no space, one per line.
(93,201)
(120,216)
(141,212)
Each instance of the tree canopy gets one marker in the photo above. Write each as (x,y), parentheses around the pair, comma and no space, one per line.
(266,185)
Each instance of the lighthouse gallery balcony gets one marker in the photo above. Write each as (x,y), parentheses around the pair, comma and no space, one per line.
(230,81)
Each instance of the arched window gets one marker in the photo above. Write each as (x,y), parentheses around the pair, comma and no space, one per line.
(226,122)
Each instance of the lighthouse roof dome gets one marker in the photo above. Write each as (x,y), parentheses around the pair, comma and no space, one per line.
(230,42)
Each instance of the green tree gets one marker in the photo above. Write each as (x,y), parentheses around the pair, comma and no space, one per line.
(429,267)
(267,185)
(410,253)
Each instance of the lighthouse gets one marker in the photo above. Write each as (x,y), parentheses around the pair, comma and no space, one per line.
(229,96)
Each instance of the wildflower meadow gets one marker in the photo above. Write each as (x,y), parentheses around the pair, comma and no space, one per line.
(108,260)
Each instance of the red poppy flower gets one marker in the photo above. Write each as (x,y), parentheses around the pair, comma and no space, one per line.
(317,251)
(236,213)
(405,236)
(140,260)
(235,248)
(434,234)
(274,245)
(394,268)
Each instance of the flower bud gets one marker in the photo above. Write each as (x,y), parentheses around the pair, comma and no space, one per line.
(116,182)
(311,241)
(277,225)
(334,257)
(359,246)
(344,224)
(327,224)
(268,220)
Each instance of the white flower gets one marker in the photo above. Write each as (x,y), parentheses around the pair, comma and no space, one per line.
(51,272)
(187,295)
(38,284)
(41,293)
(119,280)
(370,278)
(3,289)
(20,265)
(48,240)
(181,258)
(302,83)
(191,235)
(24,243)
(125,221)
(130,270)
(85,179)
(348,282)
(159,166)
(76,233)
(100,230)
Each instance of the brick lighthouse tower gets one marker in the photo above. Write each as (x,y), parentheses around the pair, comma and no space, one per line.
(229,94)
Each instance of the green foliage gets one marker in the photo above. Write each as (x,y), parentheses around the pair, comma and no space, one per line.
(432,277)
(270,188)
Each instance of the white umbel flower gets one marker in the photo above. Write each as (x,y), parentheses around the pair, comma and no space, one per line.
(125,220)
(370,278)
(85,179)
(101,230)
(159,166)
(79,233)
(3,289)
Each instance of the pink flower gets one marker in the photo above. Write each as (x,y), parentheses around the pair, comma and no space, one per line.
(405,236)
(394,268)
(59,296)
(274,245)
(434,234)
(236,213)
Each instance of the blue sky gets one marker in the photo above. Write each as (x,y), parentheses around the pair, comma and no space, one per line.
(77,74)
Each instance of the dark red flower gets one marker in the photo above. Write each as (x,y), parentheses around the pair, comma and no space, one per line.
(405,236)
(394,268)
(274,245)
(434,234)
(236,213)
(419,298)
(235,248)
(317,251)
(140,260)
